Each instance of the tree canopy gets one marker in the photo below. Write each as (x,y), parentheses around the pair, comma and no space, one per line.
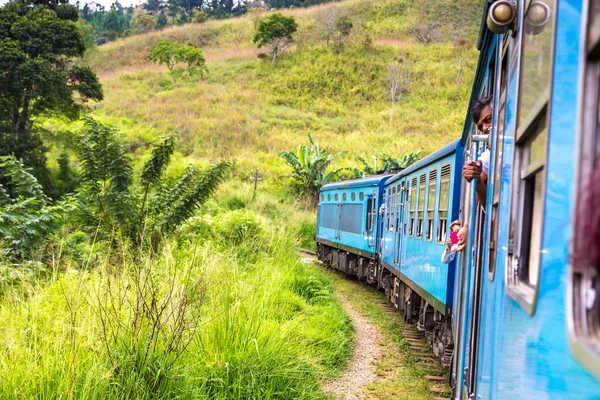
(172,53)
(39,42)
(274,26)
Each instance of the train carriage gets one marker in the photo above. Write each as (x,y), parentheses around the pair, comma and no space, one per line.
(348,225)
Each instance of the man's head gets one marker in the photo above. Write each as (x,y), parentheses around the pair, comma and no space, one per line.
(481,113)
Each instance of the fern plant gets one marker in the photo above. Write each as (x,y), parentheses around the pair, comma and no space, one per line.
(26,217)
(108,198)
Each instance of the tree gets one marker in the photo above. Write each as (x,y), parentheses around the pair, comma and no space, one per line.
(309,165)
(343,27)
(161,20)
(275,30)
(183,17)
(152,5)
(173,7)
(199,17)
(38,73)
(326,23)
(172,53)
(398,81)
(144,23)
(390,163)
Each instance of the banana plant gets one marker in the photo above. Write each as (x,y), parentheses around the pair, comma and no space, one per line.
(309,169)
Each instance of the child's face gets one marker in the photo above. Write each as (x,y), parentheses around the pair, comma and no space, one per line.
(456,228)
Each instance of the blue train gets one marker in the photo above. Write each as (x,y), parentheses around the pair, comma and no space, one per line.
(516,314)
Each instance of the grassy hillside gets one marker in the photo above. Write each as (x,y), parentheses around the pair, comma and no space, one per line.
(248,109)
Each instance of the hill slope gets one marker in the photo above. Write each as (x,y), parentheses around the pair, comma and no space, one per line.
(249,109)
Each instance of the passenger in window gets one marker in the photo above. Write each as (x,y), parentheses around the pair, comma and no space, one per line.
(382,208)
(481,114)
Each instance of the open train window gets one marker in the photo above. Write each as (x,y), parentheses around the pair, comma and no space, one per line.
(422,181)
(528,182)
(413,206)
(398,205)
(443,202)
(584,283)
(392,210)
(370,214)
(497,151)
(431,194)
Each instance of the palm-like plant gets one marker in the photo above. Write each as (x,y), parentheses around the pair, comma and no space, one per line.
(309,165)
(390,163)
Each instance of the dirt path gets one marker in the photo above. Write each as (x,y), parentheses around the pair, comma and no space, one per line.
(365,354)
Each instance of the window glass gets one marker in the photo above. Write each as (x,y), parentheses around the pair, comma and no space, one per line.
(443,202)
(431,194)
(322,197)
(353,196)
(344,197)
(536,61)
(413,206)
(422,180)
(361,196)
(335,197)
(329,197)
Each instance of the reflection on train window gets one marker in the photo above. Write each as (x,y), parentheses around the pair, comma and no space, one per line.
(529,163)
(443,203)
(431,203)
(413,206)
(361,196)
(344,197)
(353,196)
(335,196)
(422,180)
(584,285)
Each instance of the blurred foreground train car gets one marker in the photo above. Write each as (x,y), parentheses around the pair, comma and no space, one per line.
(517,314)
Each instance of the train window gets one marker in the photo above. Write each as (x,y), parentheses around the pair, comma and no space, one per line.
(344,197)
(529,172)
(398,208)
(584,265)
(431,194)
(443,203)
(329,197)
(361,196)
(322,197)
(413,206)
(335,197)
(421,210)
(353,196)
(497,152)
(370,216)
(392,209)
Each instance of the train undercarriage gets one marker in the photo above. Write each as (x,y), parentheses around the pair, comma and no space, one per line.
(436,326)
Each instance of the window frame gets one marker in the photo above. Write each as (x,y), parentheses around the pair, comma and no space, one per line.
(433,174)
(422,201)
(442,227)
(412,206)
(521,223)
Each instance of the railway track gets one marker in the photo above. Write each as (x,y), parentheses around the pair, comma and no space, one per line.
(420,348)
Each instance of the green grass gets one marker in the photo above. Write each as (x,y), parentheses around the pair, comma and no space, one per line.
(269,326)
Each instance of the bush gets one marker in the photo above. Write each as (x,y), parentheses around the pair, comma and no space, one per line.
(240,226)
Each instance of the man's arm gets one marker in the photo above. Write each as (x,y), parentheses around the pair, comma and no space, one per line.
(482,188)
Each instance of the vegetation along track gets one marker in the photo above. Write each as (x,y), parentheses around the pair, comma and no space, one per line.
(392,357)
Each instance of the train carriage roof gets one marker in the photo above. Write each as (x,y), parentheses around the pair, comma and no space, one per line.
(433,157)
(355,183)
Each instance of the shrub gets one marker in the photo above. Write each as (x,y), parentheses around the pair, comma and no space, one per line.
(240,226)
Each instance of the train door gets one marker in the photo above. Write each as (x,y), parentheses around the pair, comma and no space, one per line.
(398,236)
(371,215)
(338,221)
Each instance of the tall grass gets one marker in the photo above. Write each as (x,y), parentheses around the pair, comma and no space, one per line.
(209,323)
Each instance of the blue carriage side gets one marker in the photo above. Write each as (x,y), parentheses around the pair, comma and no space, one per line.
(422,203)
(348,224)
(527,328)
